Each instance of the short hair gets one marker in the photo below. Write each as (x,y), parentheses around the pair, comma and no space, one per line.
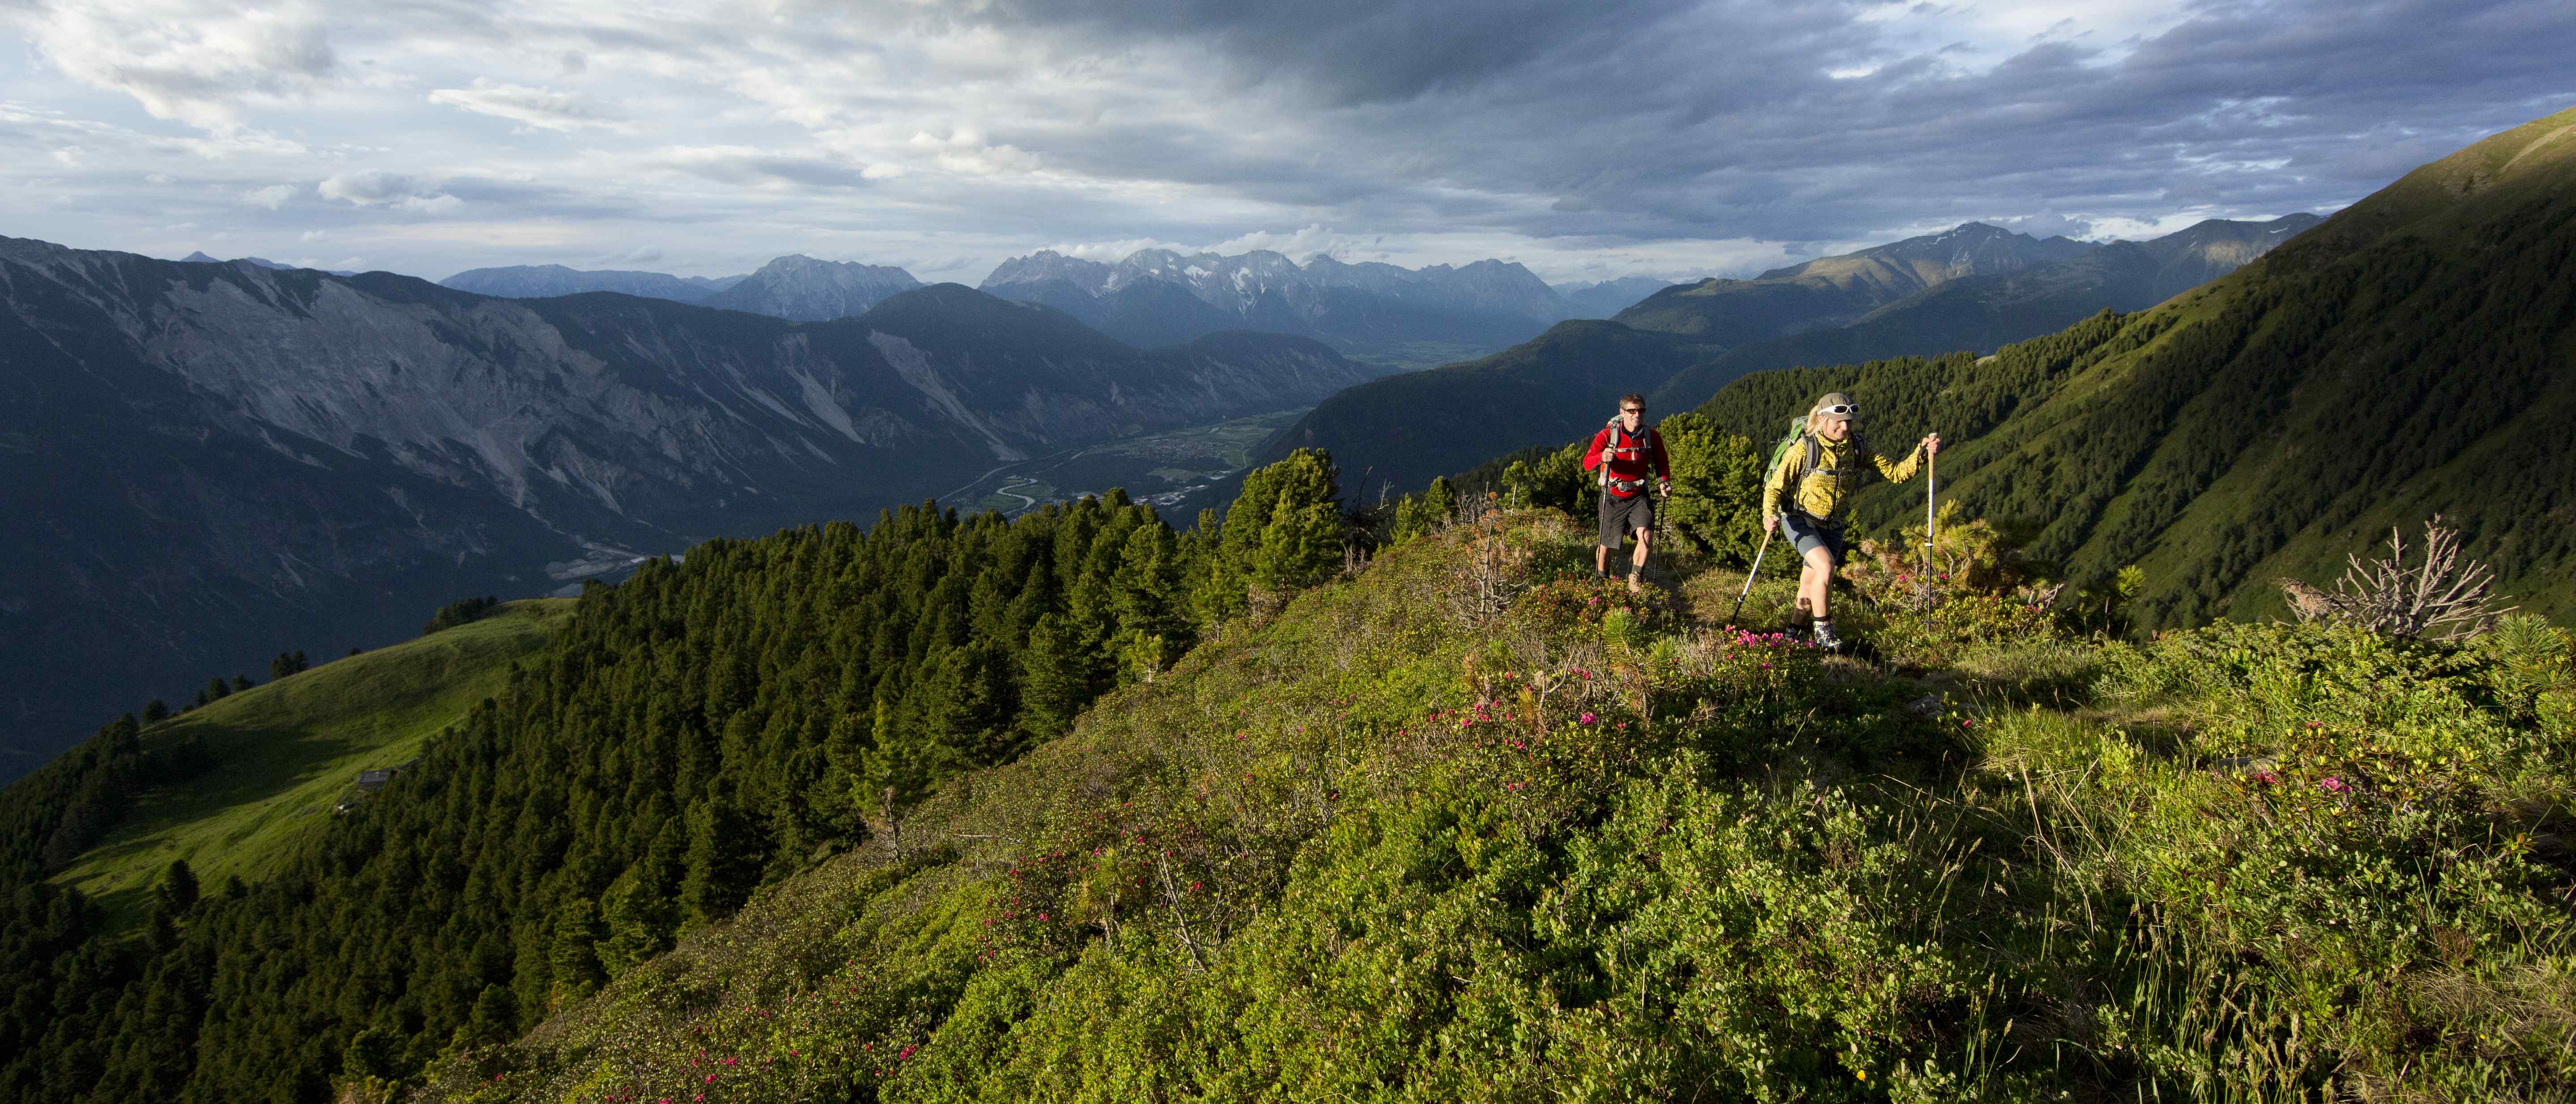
(1632,399)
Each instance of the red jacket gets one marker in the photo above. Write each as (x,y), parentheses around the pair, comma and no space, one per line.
(1632,459)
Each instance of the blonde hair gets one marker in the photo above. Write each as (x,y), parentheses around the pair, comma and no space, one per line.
(1816,415)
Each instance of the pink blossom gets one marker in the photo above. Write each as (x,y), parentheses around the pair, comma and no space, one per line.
(1585,719)
(2335,785)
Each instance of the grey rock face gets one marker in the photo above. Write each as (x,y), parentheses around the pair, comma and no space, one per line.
(210,463)
(1356,307)
(802,289)
(545,281)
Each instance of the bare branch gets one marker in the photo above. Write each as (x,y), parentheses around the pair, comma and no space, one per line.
(2443,595)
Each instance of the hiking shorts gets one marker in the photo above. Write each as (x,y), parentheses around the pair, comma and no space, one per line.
(1804,532)
(1621,516)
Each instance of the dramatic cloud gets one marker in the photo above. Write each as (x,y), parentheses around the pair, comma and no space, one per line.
(1590,141)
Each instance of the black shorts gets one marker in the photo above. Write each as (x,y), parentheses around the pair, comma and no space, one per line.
(1804,532)
(1621,516)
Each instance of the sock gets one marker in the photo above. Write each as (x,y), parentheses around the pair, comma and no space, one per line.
(1824,627)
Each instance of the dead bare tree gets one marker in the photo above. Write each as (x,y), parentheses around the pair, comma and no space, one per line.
(2443,595)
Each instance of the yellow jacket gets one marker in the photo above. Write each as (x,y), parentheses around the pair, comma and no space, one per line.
(1824,490)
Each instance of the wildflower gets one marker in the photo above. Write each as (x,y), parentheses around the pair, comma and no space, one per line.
(1585,719)
(2336,785)
(907,1053)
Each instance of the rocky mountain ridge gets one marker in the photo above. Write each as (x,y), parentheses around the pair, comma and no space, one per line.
(545,281)
(221,460)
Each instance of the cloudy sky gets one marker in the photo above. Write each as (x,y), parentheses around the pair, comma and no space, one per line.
(1585,139)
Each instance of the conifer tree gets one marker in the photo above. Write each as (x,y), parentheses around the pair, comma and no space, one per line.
(1055,677)
(154,712)
(573,960)
(178,891)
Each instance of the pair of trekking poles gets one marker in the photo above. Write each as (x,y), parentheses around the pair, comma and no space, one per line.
(1931,532)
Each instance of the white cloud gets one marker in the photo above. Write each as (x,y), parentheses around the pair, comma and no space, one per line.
(543,108)
(197,63)
(1588,141)
(378,188)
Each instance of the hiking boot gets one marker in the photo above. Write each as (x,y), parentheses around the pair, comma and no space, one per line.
(1825,637)
(1636,582)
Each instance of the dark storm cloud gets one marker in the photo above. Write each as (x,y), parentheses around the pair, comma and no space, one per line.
(1656,119)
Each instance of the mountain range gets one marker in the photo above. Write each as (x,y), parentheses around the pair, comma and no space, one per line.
(548,281)
(794,287)
(207,463)
(1413,316)
(1974,286)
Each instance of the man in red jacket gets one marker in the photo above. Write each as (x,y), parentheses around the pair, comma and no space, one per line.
(1623,452)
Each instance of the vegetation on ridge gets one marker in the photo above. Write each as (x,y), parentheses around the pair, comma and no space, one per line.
(1472,826)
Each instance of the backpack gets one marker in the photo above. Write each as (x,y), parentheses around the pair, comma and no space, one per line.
(1797,433)
(1642,442)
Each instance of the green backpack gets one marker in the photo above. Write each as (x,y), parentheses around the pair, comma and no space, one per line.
(1797,433)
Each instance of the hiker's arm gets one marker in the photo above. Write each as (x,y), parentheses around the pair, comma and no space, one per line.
(1902,470)
(1592,455)
(1663,463)
(1775,485)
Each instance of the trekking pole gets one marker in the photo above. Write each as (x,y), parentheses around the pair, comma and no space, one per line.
(1749,575)
(1931,519)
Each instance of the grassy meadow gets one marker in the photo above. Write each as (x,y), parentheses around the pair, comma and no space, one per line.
(288,751)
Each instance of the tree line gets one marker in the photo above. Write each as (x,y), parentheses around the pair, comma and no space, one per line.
(697,730)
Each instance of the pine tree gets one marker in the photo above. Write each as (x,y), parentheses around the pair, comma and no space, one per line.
(573,960)
(1055,678)
(154,712)
(178,889)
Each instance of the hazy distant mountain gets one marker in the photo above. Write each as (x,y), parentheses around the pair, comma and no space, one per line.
(219,461)
(200,257)
(1369,307)
(1830,291)
(1986,312)
(1606,298)
(801,289)
(546,281)
(1975,287)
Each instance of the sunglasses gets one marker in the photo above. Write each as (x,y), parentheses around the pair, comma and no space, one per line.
(1632,410)
(1845,409)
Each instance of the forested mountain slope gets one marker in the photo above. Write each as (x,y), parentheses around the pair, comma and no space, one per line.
(1986,311)
(203,464)
(1830,291)
(265,768)
(695,731)
(2414,355)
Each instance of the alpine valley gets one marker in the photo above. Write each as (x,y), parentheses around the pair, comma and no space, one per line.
(208,463)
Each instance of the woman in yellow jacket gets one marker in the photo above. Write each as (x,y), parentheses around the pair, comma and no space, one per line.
(1823,469)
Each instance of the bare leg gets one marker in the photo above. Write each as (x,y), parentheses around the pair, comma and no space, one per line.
(1815,580)
(1601,559)
(1638,562)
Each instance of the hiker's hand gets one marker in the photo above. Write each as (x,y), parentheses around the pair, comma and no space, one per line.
(1771,524)
(1665,488)
(1932,444)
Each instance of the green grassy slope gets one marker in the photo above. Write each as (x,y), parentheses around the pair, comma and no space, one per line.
(287,752)
(2415,354)
(1382,848)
